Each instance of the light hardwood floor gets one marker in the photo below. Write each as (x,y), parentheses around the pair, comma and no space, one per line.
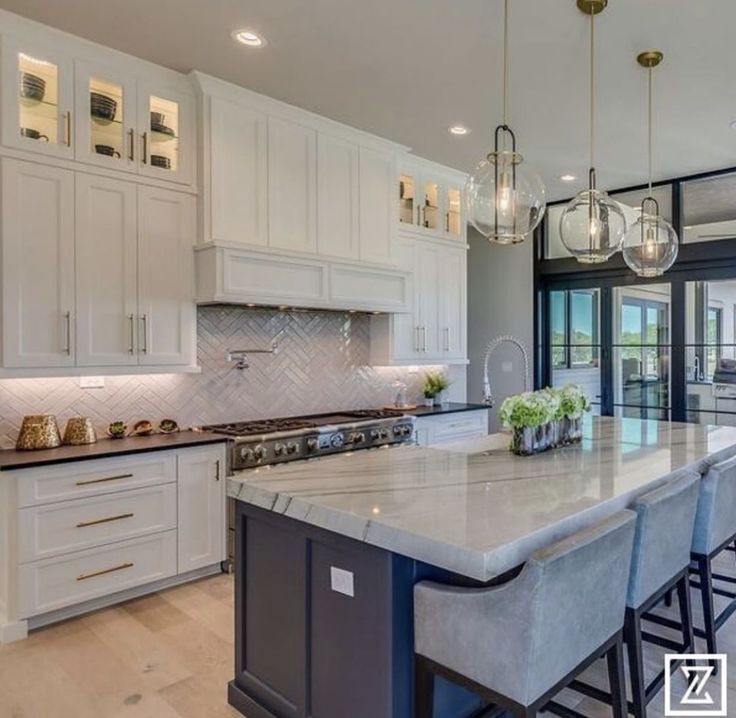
(170,655)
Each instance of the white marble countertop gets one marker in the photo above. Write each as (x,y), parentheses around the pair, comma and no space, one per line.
(473,507)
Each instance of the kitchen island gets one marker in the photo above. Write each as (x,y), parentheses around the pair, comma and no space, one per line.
(328,552)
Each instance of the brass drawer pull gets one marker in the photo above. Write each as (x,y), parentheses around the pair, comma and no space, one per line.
(85,576)
(84,524)
(107,478)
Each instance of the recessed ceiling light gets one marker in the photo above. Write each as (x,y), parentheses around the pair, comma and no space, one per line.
(568,178)
(458,130)
(249,38)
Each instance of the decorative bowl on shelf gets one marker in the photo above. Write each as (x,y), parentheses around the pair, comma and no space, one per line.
(39,431)
(142,428)
(161,161)
(117,430)
(106,150)
(32,87)
(168,426)
(102,106)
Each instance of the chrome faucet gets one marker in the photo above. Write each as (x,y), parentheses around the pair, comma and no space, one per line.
(492,346)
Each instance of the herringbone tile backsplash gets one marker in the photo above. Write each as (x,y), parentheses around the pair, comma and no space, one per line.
(322,365)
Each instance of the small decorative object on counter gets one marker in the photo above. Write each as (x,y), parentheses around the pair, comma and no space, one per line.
(435,385)
(142,428)
(117,430)
(168,426)
(545,419)
(79,431)
(38,432)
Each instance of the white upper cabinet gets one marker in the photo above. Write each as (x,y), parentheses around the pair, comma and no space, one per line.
(106,259)
(37,265)
(105,108)
(377,205)
(237,196)
(452,317)
(292,186)
(37,98)
(166,237)
(337,197)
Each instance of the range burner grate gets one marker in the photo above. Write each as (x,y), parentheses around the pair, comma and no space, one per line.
(266,426)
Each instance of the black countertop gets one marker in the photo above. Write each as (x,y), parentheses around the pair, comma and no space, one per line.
(451,408)
(13,459)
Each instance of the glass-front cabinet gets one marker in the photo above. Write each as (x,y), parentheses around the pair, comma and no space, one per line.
(430,204)
(37,99)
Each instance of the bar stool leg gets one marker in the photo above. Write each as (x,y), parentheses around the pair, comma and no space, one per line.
(705,575)
(616,679)
(686,614)
(423,690)
(632,635)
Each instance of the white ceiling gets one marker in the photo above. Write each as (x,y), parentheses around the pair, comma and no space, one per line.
(406,69)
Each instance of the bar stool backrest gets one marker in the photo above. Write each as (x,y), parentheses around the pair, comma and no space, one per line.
(715,520)
(664,532)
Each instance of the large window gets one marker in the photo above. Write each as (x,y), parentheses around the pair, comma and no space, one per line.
(713,338)
(574,333)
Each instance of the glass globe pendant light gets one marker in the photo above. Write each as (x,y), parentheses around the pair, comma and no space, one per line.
(650,246)
(504,198)
(592,225)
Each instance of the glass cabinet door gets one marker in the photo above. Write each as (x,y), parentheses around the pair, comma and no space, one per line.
(37,95)
(105,110)
(453,212)
(431,218)
(407,200)
(165,121)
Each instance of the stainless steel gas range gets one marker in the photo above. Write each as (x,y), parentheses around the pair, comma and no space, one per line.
(299,438)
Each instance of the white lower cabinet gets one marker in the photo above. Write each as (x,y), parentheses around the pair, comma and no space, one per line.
(434,331)
(453,426)
(201,476)
(76,533)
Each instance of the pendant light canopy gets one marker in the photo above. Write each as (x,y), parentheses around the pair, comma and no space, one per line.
(505,199)
(650,246)
(592,225)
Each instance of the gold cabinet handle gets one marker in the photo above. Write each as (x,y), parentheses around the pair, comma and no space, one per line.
(86,482)
(85,576)
(144,322)
(144,156)
(424,338)
(217,470)
(131,145)
(131,347)
(68,128)
(417,341)
(107,520)
(447,339)
(68,325)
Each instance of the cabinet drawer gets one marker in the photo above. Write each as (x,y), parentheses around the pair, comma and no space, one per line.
(90,478)
(451,427)
(59,528)
(57,582)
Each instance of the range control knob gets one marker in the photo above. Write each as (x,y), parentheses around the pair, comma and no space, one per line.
(292,448)
(259,452)
(383,434)
(357,437)
(312,445)
(375,434)
(247,455)
(337,441)
(408,430)
(279,449)
(398,430)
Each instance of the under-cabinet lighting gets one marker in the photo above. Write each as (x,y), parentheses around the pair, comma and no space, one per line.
(250,38)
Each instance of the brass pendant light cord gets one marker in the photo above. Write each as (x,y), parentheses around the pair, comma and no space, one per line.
(592,90)
(506,62)
(649,119)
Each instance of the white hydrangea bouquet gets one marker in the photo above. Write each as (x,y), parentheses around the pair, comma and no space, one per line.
(541,420)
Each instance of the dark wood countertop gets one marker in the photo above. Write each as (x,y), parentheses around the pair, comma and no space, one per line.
(12,459)
(451,408)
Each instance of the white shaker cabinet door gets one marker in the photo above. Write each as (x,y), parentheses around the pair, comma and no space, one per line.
(337,197)
(106,271)
(378,206)
(37,265)
(292,186)
(166,311)
(201,477)
(453,314)
(238,172)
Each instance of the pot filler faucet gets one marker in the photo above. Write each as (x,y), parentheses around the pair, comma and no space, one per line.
(492,346)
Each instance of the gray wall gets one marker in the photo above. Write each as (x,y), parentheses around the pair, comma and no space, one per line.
(500,301)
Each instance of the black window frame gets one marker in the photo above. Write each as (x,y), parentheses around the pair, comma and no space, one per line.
(568,345)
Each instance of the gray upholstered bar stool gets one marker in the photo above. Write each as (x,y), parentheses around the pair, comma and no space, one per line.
(660,563)
(517,645)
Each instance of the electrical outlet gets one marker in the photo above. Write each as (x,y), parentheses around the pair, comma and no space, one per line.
(342,581)
(91,382)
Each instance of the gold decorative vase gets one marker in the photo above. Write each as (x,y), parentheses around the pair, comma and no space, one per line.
(79,430)
(39,431)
